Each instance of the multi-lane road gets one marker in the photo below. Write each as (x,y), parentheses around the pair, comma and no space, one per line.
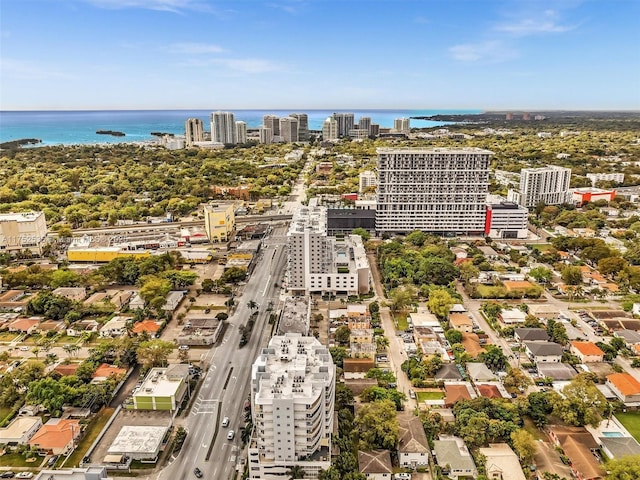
(225,385)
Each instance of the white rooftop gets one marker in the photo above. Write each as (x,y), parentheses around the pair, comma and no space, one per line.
(157,384)
(138,440)
(19,217)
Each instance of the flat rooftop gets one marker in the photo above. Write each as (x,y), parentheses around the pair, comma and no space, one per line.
(157,384)
(138,440)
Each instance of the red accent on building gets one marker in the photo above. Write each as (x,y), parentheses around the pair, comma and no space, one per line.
(487,220)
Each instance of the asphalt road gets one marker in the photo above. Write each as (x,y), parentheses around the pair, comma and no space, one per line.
(225,386)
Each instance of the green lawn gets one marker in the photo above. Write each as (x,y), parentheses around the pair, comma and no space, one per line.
(542,247)
(401,321)
(631,421)
(422,396)
(90,434)
(17,460)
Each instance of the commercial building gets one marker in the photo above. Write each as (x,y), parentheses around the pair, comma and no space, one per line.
(223,128)
(194,131)
(272,122)
(607,177)
(162,389)
(87,473)
(289,129)
(330,129)
(292,399)
(342,221)
(548,185)
(241,132)
(591,194)
(506,220)
(138,442)
(346,122)
(364,124)
(265,135)
(20,231)
(219,221)
(437,190)
(303,126)
(366,179)
(402,125)
(319,264)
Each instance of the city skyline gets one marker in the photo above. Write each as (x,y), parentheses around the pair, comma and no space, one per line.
(181,54)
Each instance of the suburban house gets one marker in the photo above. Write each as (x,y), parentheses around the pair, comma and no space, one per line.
(625,387)
(20,430)
(542,310)
(66,370)
(357,367)
(453,457)
(502,463)
(512,316)
(616,447)
(136,303)
(479,372)
(461,322)
(448,372)
(116,327)
(149,326)
(24,325)
(530,335)
(375,464)
(105,370)
(587,352)
(75,294)
(543,352)
(120,298)
(579,446)
(455,392)
(631,337)
(56,437)
(173,299)
(83,326)
(413,448)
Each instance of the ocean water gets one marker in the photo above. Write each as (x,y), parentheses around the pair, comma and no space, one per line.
(79,127)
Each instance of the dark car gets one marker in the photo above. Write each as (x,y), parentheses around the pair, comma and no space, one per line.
(197,473)
(8,475)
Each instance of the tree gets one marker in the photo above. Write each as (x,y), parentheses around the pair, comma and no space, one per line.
(401,298)
(64,278)
(384,378)
(440,302)
(624,468)
(251,305)
(517,379)
(342,335)
(541,274)
(338,354)
(295,471)
(572,275)
(207,285)
(416,238)
(453,336)
(493,357)
(612,265)
(524,445)
(154,291)
(377,425)
(154,353)
(180,279)
(583,404)
(234,275)
(366,236)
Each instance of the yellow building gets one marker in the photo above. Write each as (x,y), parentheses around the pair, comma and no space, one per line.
(219,221)
(19,231)
(102,254)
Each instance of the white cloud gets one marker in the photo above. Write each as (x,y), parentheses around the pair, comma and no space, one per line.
(175,6)
(25,70)
(189,48)
(547,23)
(237,65)
(486,52)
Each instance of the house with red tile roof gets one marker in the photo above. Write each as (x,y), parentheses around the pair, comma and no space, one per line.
(105,370)
(56,437)
(66,370)
(456,392)
(587,352)
(24,325)
(626,388)
(148,326)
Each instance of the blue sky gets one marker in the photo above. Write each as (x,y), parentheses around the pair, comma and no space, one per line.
(348,54)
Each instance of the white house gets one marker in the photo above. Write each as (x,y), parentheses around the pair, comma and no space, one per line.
(116,327)
(375,464)
(20,430)
(173,300)
(453,457)
(587,352)
(413,448)
(543,352)
(502,463)
(479,372)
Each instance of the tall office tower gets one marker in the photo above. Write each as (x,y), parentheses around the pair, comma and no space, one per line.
(330,129)
(241,132)
(402,125)
(194,131)
(346,122)
(303,126)
(548,185)
(374,130)
(223,128)
(366,179)
(364,123)
(289,129)
(266,135)
(272,122)
(437,190)
(292,405)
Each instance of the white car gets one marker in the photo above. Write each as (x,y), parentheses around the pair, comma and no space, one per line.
(24,348)
(225,422)
(24,475)
(183,347)
(230,435)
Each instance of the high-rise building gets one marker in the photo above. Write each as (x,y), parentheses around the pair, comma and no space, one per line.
(364,123)
(292,407)
(402,125)
(346,122)
(194,131)
(23,231)
(506,220)
(367,179)
(266,135)
(219,221)
(272,122)
(241,132)
(330,129)
(289,129)
(223,128)
(437,190)
(317,263)
(303,126)
(548,185)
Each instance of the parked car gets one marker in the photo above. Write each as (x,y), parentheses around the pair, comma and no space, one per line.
(197,473)
(230,435)
(52,461)
(25,475)
(183,347)
(225,422)
(8,474)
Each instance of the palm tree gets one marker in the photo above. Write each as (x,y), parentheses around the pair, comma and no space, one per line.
(35,351)
(296,471)
(252,305)
(245,433)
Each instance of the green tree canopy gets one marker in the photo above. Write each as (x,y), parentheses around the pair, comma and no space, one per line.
(377,425)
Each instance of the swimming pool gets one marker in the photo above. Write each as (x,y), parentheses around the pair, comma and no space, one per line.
(612,434)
